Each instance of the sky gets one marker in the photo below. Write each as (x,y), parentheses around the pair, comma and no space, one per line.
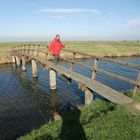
(40,20)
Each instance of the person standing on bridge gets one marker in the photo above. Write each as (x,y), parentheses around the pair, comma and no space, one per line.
(55,48)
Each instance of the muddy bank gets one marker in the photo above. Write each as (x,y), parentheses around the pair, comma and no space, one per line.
(130,54)
(5,57)
(78,56)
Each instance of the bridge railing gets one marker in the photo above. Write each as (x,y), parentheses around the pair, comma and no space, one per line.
(33,49)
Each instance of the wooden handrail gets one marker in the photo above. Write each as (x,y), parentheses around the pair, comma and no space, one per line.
(135,66)
(106,73)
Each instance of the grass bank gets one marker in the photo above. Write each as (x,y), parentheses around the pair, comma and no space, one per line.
(99,121)
(93,47)
(5,57)
(99,48)
(106,48)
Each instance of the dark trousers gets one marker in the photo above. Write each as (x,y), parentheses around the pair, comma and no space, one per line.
(56,58)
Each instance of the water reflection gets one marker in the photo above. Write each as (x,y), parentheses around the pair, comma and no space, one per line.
(54,101)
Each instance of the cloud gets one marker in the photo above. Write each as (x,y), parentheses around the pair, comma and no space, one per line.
(57,17)
(68,11)
(132,23)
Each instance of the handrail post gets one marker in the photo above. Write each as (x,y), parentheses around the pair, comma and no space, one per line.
(21,48)
(72,63)
(24,48)
(38,50)
(29,49)
(46,52)
(38,47)
(96,62)
(33,49)
(18,49)
(136,88)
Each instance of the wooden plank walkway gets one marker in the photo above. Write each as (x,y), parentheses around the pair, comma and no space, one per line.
(103,90)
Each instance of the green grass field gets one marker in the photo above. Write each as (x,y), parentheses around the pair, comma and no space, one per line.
(99,121)
(99,48)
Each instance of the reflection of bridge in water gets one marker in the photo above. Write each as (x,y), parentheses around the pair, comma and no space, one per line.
(37,55)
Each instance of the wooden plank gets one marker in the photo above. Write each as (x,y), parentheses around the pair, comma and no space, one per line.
(119,77)
(103,90)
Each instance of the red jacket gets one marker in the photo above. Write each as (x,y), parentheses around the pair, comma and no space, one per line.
(56,46)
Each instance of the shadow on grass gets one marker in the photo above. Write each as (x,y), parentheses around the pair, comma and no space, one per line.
(71,127)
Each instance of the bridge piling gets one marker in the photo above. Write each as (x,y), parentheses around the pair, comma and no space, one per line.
(17,61)
(34,68)
(23,63)
(52,75)
(13,59)
(88,94)
(88,97)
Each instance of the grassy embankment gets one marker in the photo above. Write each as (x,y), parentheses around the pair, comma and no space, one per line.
(5,49)
(99,48)
(106,48)
(4,53)
(99,121)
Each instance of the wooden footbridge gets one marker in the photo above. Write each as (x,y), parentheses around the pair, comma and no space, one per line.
(39,54)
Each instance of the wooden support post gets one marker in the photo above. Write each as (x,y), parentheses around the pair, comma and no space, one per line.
(14,61)
(80,86)
(29,49)
(95,68)
(88,97)
(22,48)
(37,52)
(88,93)
(72,66)
(52,79)
(17,61)
(136,88)
(46,55)
(72,63)
(33,49)
(38,47)
(18,49)
(34,69)
(23,63)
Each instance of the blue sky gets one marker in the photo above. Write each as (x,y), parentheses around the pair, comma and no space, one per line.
(27,20)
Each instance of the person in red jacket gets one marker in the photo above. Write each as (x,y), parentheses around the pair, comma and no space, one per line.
(55,48)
